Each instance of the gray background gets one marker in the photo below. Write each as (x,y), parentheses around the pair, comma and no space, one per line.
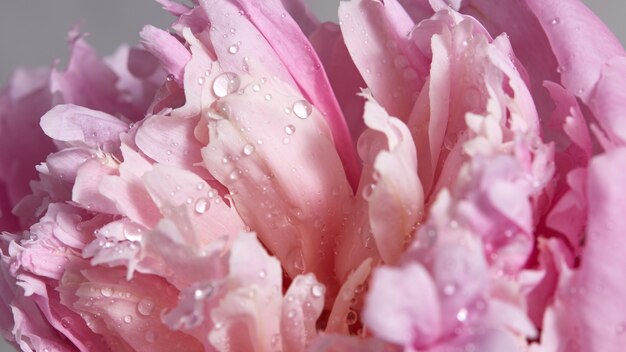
(32,32)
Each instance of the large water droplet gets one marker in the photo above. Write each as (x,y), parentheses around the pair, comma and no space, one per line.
(132,232)
(202,205)
(145,306)
(226,83)
(302,109)
(317,290)
(106,291)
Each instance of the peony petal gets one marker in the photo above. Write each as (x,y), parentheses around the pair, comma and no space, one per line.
(302,306)
(78,125)
(172,55)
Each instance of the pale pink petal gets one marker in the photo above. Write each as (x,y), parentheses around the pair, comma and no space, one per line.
(64,164)
(606,100)
(86,189)
(121,310)
(396,197)
(283,34)
(377,36)
(302,306)
(283,173)
(170,52)
(302,14)
(81,126)
(127,190)
(351,291)
(394,293)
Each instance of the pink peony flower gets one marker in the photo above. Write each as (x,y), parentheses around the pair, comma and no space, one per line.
(424,176)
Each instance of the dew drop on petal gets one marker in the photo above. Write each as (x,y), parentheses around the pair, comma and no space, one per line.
(202,205)
(170,77)
(555,20)
(201,80)
(302,109)
(268,97)
(248,149)
(226,83)
(66,322)
(275,339)
(233,49)
(106,291)
(461,315)
(145,306)
(290,129)
(317,290)
(128,319)
(367,191)
(351,317)
(256,87)
(150,336)
(262,274)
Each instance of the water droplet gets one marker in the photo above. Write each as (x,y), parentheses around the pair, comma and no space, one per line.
(201,80)
(291,314)
(450,141)
(555,20)
(202,293)
(268,97)
(302,109)
(128,319)
(296,259)
(202,205)
(449,289)
(200,186)
(151,336)
(287,111)
(132,232)
(367,191)
(262,274)
(351,317)
(234,175)
(145,306)
(106,291)
(226,83)
(317,290)
(560,69)
(66,322)
(461,315)
(290,129)
(248,149)
(256,87)
(233,49)
(286,140)
(275,339)
(170,77)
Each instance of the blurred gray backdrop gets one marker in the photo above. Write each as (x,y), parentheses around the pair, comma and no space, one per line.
(32,32)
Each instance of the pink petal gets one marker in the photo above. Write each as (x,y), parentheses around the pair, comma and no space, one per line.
(76,124)
(351,288)
(302,306)
(283,173)
(415,323)
(286,39)
(377,36)
(86,189)
(172,55)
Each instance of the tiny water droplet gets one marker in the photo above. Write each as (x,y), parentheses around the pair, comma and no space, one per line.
(256,87)
(268,97)
(200,186)
(286,140)
(170,77)
(202,205)
(248,149)
(302,109)
(262,274)
(461,315)
(234,175)
(290,129)
(449,289)
(151,336)
(66,322)
(233,49)
(201,80)
(351,317)
(367,191)
(555,20)
(128,319)
(226,83)
(317,290)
